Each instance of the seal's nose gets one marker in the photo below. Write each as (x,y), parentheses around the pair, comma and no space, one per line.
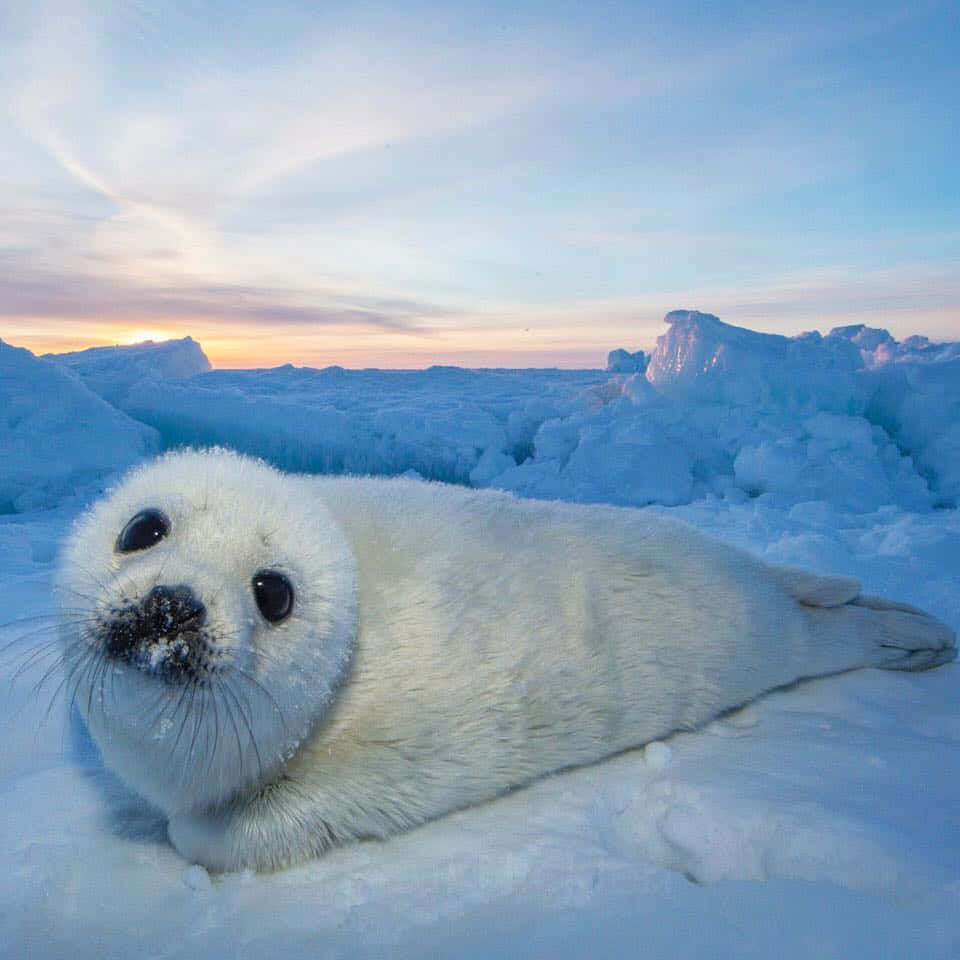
(173,609)
(166,621)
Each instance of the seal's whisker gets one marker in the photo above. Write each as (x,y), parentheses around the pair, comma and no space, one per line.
(76,594)
(177,704)
(261,689)
(68,679)
(184,701)
(246,721)
(35,657)
(65,681)
(159,702)
(100,583)
(216,727)
(48,630)
(50,618)
(96,679)
(51,671)
(233,723)
(198,716)
(72,679)
(184,707)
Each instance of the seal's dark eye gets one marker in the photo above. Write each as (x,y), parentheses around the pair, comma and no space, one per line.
(274,595)
(144,530)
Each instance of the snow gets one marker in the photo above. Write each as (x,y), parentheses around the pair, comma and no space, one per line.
(622,361)
(111,371)
(917,403)
(56,436)
(820,821)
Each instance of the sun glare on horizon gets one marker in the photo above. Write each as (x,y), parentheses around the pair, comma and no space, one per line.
(142,335)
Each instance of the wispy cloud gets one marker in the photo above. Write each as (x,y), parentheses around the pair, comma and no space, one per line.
(920,297)
(77,299)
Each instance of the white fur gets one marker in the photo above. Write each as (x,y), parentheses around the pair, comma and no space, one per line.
(446,645)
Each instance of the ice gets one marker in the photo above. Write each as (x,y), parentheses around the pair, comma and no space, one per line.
(657,754)
(714,362)
(196,878)
(867,339)
(819,821)
(439,422)
(622,361)
(877,347)
(918,404)
(56,436)
(715,410)
(829,456)
(111,371)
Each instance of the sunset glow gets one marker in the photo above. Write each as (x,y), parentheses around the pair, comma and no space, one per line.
(139,336)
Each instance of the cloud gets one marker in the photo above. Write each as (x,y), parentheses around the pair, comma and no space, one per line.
(920,298)
(79,299)
(244,326)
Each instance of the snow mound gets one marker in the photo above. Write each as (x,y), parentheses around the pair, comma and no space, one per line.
(622,361)
(112,371)
(877,347)
(703,358)
(56,435)
(724,411)
(445,423)
(854,418)
(918,404)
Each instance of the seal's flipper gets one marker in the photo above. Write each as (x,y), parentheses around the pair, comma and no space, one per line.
(914,639)
(852,625)
(813,590)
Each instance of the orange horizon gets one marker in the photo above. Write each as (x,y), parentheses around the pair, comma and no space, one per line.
(228,355)
(575,335)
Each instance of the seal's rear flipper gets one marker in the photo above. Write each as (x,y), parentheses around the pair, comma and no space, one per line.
(914,639)
(858,630)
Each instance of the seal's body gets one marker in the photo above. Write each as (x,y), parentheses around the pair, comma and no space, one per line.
(282,663)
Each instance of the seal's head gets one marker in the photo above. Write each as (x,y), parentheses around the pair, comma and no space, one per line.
(209,613)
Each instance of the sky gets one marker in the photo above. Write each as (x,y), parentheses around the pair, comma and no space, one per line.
(484,184)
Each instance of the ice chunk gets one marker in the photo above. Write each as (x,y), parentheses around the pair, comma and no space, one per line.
(195,877)
(111,371)
(918,404)
(657,754)
(877,347)
(713,362)
(56,435)
(830,457)
(622,361)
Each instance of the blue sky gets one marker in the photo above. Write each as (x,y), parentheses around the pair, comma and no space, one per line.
(514,184)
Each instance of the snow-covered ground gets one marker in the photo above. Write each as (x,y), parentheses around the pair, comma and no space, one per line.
(821,821)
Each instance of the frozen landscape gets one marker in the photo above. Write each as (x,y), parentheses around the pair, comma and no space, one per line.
(821,821)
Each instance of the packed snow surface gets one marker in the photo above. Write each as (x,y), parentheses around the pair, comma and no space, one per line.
(820,821)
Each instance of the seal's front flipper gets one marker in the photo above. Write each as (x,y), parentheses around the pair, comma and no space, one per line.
(813,590)
(913,639)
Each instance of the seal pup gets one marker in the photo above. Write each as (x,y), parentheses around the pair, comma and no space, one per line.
(281,662)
